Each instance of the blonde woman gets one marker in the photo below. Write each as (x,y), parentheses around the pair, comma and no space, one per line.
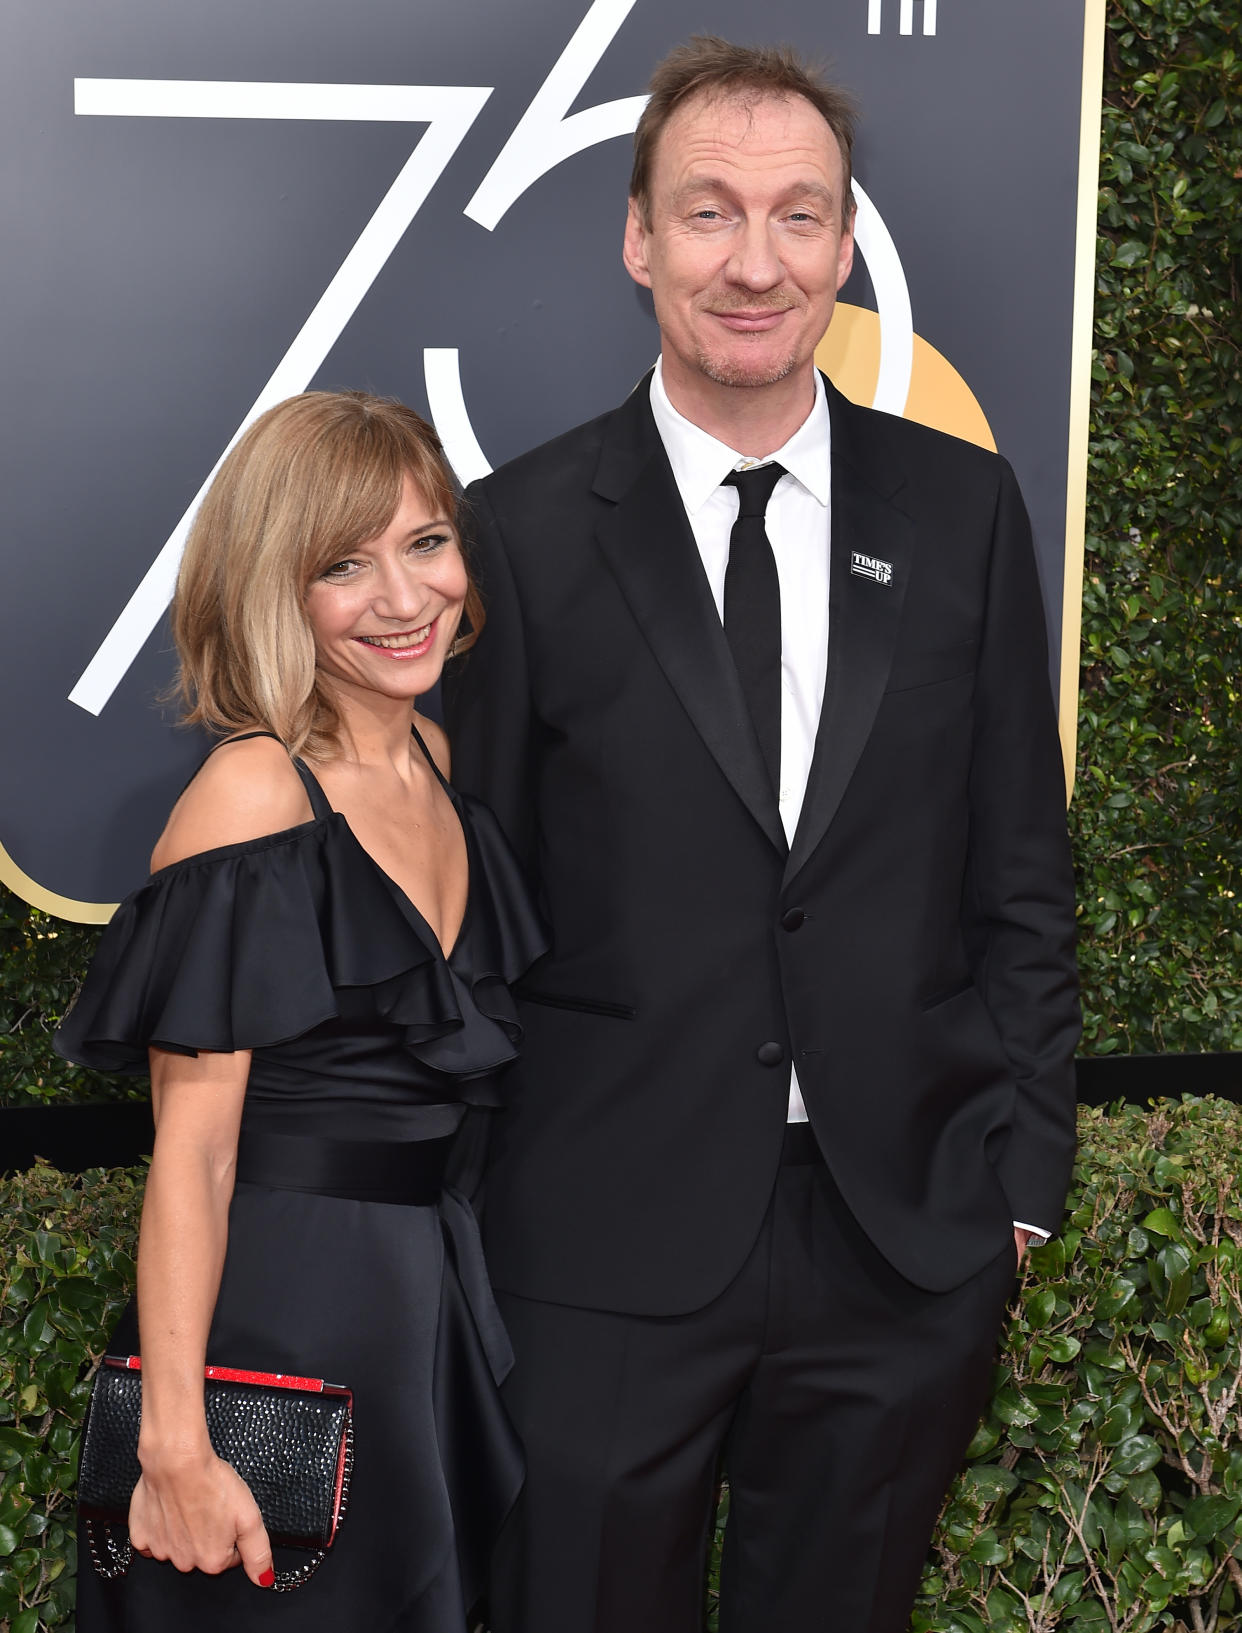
(315,976)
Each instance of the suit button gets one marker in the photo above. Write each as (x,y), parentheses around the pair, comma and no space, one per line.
(794,919)
(769,1054)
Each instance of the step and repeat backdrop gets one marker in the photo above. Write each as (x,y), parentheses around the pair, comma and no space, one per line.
(209,208)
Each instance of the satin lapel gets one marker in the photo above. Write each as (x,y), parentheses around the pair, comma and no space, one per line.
(647,543)
(863,618)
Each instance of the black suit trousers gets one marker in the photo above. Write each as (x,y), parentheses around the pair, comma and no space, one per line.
(839,1395)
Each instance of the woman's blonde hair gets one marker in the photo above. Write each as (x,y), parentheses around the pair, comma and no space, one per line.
(311,480)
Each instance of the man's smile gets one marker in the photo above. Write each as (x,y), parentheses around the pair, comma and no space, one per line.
(752,322)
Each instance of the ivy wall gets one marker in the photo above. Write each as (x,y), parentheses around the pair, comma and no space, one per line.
(1156,817)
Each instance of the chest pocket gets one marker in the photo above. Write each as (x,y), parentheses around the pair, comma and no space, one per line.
(911,669)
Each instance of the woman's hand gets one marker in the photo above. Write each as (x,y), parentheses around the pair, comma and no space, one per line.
(196,1511)
(190,1507)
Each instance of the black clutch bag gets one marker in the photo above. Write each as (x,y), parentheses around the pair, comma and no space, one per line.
(291,1440)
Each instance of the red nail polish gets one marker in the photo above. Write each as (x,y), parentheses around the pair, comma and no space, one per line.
(268,1578)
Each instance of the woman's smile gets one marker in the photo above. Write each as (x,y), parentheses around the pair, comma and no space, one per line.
(404,643)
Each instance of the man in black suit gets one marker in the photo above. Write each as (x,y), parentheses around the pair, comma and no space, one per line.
(763,700)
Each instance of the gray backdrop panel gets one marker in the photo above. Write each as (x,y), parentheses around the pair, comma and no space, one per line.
(156,270)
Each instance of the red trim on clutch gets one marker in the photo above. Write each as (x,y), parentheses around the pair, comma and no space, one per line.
(274,1380)
(342,1455)
(236,1375)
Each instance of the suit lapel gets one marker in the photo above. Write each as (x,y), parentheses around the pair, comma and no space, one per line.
(863,619)
(650,549)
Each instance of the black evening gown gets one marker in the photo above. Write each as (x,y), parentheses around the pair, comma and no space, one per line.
(299,947)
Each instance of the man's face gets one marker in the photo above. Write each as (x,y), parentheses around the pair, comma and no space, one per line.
(747,243)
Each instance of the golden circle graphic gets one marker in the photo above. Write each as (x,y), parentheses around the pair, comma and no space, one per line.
(849,355)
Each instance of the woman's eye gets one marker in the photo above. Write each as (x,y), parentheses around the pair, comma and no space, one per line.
(339,569)
(429,543)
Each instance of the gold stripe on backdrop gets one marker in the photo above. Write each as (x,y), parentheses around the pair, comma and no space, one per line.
(1080,377)
(47,901)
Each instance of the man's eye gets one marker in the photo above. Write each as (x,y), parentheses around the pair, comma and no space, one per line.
(708,215)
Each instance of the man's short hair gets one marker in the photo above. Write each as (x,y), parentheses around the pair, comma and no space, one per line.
(708,66)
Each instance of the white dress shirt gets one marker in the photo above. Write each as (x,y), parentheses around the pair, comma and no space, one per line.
(799,529)
(798,523)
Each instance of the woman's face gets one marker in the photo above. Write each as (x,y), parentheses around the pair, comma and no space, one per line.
(384,617)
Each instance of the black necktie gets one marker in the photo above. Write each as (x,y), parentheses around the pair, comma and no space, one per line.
(752,608)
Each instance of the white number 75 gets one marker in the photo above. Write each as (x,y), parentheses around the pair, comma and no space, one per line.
(545,135)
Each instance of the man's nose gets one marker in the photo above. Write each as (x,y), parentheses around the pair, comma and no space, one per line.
(756,262)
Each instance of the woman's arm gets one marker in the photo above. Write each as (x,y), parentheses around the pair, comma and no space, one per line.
(189,1506)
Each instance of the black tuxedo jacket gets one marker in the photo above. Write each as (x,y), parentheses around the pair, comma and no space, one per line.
(911,952)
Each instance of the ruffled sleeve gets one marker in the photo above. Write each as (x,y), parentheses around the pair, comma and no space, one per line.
(244,947)
(247,947)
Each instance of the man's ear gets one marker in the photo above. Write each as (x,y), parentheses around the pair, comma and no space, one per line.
(634,247)
(845,253)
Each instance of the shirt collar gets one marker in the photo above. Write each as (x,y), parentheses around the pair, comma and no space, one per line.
(700,462)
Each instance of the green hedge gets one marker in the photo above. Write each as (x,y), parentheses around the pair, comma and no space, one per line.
(66,1269)
(41,963)
(1156,816)
(1103,1492)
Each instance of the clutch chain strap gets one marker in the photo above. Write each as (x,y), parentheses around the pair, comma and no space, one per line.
(112,1559)
(118,1558)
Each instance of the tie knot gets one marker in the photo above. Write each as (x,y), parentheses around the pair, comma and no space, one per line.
(754,487)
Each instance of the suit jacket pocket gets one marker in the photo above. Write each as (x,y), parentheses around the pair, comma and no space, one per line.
(583,1006)
(963,1068)
(931,668)
(946,995)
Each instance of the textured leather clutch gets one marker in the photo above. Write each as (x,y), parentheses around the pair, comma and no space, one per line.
(290,1439)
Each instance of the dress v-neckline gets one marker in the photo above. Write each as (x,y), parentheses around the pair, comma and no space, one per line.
(323,808)
(407,903)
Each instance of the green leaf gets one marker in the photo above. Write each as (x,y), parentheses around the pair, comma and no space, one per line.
(1114,1297)
(1041,1306)
(986,1550)
(44,1246)
(1206,1517)
(1063,1349)
(1136,1455)
(1013,1409)
(1130,253)
(35,1328)
(1116,1426)
(1146,1490)
(989,1482)
(1164,1223)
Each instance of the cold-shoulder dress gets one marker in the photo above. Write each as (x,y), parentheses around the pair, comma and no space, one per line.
(348,1258)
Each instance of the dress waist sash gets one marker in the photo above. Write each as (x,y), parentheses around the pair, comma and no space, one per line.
(410,1172)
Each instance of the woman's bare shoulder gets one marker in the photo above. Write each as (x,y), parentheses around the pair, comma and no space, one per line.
(244,790)
(436,739)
